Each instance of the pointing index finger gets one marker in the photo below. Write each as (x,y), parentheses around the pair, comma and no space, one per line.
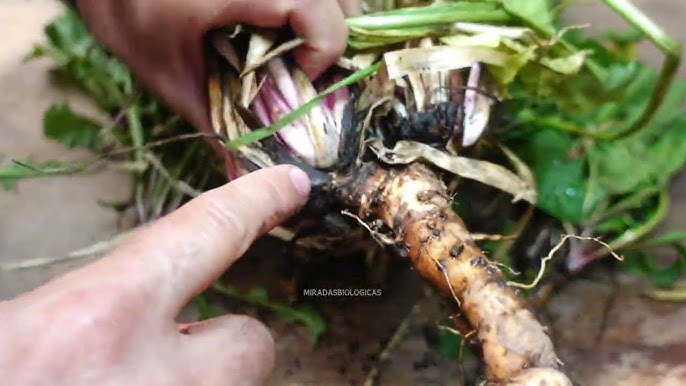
(183,253)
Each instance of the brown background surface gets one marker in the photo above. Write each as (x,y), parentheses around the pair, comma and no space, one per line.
(607,333)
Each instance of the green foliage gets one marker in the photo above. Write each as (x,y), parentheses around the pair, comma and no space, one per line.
(651,156)
(71,129)
(18,170)
(535,13)
(563,119)
(642,263)
(676,237)
(449,344)
(302,314)
(205,310)
(575,170)
(560,177)
(77,55)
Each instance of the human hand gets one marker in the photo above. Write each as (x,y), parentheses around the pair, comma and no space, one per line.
(161,40)
(112,322)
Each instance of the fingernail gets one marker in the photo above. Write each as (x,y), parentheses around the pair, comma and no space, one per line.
(300,181)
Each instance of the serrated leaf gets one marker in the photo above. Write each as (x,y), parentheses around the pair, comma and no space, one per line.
(62,124)
(77,55)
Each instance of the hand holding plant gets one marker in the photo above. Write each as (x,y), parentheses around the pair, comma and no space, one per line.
(162,40)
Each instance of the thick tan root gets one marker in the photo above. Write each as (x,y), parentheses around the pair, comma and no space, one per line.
(414,204)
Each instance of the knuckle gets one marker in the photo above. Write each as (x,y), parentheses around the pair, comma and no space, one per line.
(222,217)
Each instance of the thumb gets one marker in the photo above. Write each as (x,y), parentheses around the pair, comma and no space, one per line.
(229,350)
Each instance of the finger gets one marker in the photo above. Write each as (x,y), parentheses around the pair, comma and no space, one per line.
(230,350)
(320,22)
(351,8)
(182,254)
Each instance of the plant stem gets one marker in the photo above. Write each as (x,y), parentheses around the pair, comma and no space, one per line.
(669,47)
(632,235)
(136,131)
(631,202)
(634,16)
(440,15)
(137,138)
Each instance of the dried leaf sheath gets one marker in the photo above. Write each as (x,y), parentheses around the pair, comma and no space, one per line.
(414,203)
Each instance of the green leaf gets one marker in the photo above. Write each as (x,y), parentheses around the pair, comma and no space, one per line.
(308,316)
(567,65)
(18,170)
(258,295)
(449,344)
(648,158)
(560,179)
(616,173)
(303,314)
(641,262)
(70,33)
(77,55)
(62,124)
(205,310)
(537,14)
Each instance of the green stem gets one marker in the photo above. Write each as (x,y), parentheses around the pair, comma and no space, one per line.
(20,170)
(634,16)
(669,47)
(426,16)
(136,131)
(671,238)
(564,125)
(633,201)
(632,235)
(161,192)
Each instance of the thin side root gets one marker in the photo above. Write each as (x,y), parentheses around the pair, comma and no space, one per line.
(550,255)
